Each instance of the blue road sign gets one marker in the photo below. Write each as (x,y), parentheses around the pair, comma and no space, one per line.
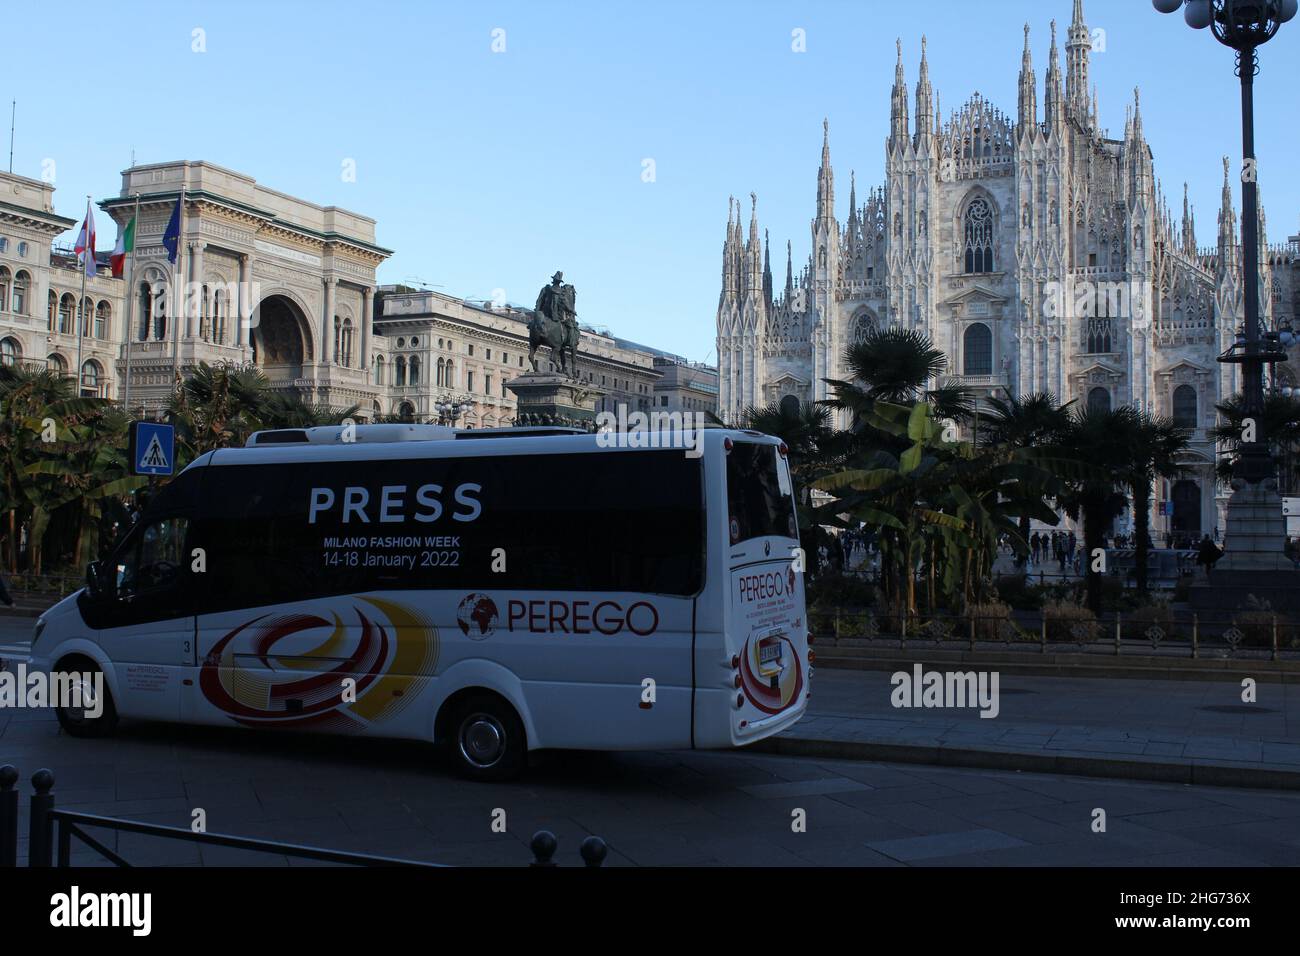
(151,448)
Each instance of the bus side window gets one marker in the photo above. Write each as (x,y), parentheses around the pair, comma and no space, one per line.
(157,561)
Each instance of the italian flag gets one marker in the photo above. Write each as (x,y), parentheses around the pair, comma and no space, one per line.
(125,244)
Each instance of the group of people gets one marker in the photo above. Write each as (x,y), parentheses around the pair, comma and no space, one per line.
(1059,547)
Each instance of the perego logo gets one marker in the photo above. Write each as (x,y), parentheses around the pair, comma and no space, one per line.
(73,909)
(581,617)
(950,689)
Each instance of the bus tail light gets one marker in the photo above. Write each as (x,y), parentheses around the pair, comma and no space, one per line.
(810,638)
(783,449)
(727,445)
(737,682)
(740,701)
(811,655)
(735,661)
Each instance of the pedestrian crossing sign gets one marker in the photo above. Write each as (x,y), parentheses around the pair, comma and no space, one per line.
(151,448)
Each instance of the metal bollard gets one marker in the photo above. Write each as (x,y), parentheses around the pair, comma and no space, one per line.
(1195,636)
(40,844)
(593,851)
(8,816)
(543,846)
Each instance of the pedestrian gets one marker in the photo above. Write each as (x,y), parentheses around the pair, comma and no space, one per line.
(5,598)
(1207,554)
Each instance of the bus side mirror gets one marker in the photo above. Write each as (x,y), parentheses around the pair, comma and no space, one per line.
(96,580)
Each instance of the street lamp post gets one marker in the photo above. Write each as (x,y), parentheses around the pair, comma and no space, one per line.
(1245,25)
(1254,512)
(450,408)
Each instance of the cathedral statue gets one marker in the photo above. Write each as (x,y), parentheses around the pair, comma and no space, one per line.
(554,323)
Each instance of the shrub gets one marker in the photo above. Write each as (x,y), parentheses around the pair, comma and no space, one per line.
(1063,618)
(1256,622)
(1016,591)
(829,590)
(991,620)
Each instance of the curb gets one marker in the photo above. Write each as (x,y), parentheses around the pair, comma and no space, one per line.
(1083,765)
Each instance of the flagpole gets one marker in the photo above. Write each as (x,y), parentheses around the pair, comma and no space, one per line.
(179,306)
(85,267)
(130,310)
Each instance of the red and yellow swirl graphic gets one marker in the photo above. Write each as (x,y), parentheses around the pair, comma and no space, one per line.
(389,651)
(775,692)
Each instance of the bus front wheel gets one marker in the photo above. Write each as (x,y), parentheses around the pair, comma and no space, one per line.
(487,739)
(87,716)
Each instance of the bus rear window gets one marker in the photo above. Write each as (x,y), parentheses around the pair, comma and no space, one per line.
(759,501)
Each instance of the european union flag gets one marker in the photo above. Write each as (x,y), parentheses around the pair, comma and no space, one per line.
(172,235)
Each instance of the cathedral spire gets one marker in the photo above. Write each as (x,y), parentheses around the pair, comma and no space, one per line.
(767,269)
(1189,229)
(898,103)
(826,177)
(1028,112)
(1078,46)
(924,98)
(1227,226)
(1052,106)
(789,271)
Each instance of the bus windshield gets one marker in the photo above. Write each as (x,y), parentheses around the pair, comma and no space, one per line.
(760,499)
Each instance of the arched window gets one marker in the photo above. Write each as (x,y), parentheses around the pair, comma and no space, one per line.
(379,372)
(979,236)
(415,370)
(1097,335)
(1099,400)
(218,319)
(789,406)
(159,313)
(92,379)
(399,370)
(87,310)
(406,411)
(146,310)
(438,372)
(863,323)
(103,312)
(977,350)
(1185,406)
(53,307)
(4,289)
(67,306)
(22,282)
(449,374)
(57,363)
(10,352)
(345,353)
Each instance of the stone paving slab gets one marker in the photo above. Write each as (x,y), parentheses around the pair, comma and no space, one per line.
(1189,731)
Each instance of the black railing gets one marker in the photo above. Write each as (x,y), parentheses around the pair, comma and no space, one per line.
(51,829)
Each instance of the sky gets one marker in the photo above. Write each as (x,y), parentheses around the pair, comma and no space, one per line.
(495,143)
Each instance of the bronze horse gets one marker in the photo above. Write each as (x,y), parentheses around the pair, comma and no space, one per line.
(554,324)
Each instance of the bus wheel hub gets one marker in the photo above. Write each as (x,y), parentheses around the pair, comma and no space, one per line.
(482,739)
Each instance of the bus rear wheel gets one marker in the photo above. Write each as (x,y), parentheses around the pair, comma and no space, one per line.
(78,721)
(487,739)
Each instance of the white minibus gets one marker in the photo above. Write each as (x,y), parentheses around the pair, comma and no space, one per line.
(496,591)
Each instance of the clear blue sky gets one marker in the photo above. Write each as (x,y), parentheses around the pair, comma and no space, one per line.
(492,170)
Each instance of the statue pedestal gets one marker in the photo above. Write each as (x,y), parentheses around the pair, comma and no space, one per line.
(1256,531)
(1253,563)
(547,398)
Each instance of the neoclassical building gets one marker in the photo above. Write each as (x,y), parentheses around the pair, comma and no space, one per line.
(1038,251)
(270,279)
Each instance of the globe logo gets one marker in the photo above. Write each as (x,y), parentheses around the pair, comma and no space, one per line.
(477,616)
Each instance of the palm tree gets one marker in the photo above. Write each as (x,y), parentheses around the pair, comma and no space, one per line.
(893,365)
(1103,441)
(1033,421)
(288,410)
(1279,425)
(1155,446)
(218,406)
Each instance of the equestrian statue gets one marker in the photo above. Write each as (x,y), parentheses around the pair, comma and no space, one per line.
(554,323)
